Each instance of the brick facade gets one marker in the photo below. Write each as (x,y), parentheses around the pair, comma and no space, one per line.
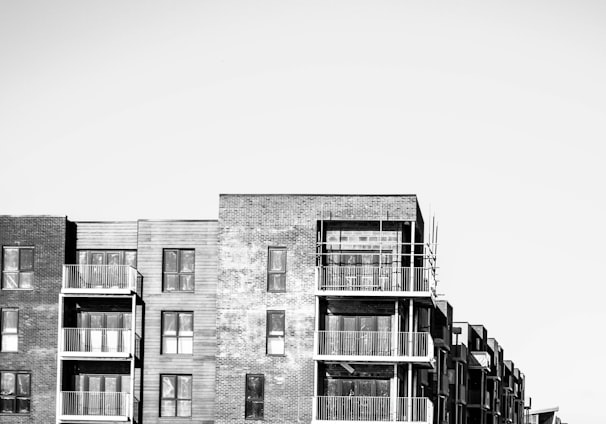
(37,311)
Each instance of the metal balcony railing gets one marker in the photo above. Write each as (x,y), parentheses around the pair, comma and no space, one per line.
(368,278)
(374,343)
(105,278)
(373,409)
(92,341)
(109,405)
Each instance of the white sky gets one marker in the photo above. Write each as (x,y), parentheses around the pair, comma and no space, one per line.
(492,112)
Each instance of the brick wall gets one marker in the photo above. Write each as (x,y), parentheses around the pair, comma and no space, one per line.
(37,311)
(248,225)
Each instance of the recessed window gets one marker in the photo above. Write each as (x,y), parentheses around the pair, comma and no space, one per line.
(9,334)
(255,393)
(275,332)
(177,332)
(176,396)
(17,268)
(107,257)
(276,269)
(178,270)
(15,392)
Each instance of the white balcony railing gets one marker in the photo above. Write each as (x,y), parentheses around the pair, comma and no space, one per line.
(373,408)
(97,341)
(99,277)
(374,343)
(111,405)
(356,278)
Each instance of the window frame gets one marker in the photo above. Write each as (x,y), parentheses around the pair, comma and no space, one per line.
(178,273)
(19,269)
(257,400)
(3,333)
(269,336)
(177,336)
(16,396)
(176,398)
(271,273)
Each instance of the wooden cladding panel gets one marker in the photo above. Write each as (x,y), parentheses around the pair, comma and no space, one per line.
(107,235)
(154,237)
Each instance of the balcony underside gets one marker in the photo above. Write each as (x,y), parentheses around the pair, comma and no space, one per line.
(422,360)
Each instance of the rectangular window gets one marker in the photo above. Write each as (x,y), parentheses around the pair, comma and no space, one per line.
(9,334)
(176,395)
(177,332)
(275,332)
(255,393)
(276,269)
(107,257)
(178,271)
(14,392)
(17,268)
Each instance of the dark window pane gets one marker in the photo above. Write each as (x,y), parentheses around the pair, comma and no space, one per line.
(171,282)
(187,282)
(276,323)
(254,387)
(23,406)
(27,259)
(113,258)
(23,381)
(187,261)
(170,260)
(186,324)
(7,404)
(11,259)
(254,409)
(169,325)
(97,258)
(277,282)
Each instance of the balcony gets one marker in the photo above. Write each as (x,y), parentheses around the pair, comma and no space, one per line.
(102,279)
(97,342)
(368,280)
(480,360)
(94,406)
(374,346)
(367,409)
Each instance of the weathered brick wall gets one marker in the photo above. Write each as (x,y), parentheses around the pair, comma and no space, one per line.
(38,310)
(248,225)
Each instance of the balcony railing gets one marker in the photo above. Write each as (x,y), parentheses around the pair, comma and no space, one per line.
(100,405)
(363,278)
(104,278)
(373,409)
(374,344)
(97,341)
(480,360)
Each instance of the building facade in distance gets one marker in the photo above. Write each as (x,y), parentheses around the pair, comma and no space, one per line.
(288,309)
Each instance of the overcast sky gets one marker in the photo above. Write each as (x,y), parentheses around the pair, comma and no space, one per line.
(492,112)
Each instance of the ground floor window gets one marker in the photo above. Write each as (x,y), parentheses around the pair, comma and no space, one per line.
(15,392)
(255,397)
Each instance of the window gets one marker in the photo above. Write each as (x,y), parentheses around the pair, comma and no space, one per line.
(107,257)
(176,396)
(9,335)
(178,270)
(276,269)
(14,392)
(255,392)
(17,267)
(177,332)
(275,332)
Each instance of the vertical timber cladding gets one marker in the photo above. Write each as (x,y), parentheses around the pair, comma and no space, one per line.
(153,237)
(38,310)
(248,225)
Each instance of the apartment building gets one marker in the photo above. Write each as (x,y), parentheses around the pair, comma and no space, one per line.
(288,309)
